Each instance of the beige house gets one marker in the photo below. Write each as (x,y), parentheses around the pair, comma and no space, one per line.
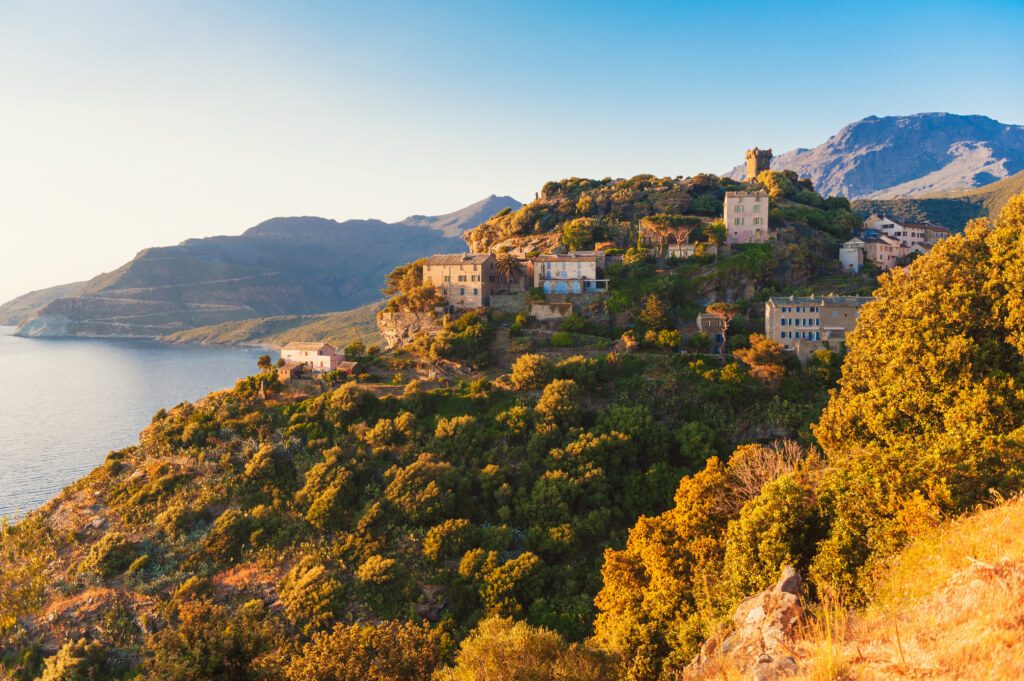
(884,251)
(805,324)
(888,240)
(317,357)
(575,272)
(746,216)
(465,280)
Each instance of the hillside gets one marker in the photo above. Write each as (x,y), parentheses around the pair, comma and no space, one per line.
(337,328)
(570,500)
(950,209)
(919,154)
(948,606)
(21,309)
(284,266)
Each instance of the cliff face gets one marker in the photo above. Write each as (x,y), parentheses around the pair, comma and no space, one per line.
(399,328)
(908,156)
(284,266)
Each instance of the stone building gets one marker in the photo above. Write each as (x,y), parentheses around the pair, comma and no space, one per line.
(758,160)
(804,324)
(712,326)
(465,280)
(746,216)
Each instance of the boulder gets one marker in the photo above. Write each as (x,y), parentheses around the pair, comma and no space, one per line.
(761,636)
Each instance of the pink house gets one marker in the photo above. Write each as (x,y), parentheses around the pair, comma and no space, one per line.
(318,357)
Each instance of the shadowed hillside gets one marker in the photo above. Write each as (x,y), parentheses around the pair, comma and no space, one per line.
(950,209)
(284,266)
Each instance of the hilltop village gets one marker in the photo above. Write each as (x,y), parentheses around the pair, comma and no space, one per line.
(741,244)
(627,428)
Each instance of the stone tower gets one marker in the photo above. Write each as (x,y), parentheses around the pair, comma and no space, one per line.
(758,160)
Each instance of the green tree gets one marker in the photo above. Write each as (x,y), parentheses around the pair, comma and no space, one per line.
(726,312)
(577,234)
(929,410)
(655,313)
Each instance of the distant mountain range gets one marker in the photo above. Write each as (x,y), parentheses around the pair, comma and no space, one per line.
(284,266)
(914,155)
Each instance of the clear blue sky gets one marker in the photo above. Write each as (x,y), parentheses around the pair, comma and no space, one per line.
(129,124)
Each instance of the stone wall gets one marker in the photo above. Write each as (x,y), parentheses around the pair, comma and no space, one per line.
(549,311)
(513,303)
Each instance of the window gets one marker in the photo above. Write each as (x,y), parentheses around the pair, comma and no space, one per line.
(447,277)
(476,291)
(757,209)
(757,221)
(462,277)
(736,221)
(462,291)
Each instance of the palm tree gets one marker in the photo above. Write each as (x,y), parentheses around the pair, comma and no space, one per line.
(508,267)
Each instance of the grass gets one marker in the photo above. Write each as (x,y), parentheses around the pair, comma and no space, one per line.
(337,328)
(950,606)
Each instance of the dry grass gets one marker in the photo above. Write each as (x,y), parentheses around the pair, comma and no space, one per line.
(951,606)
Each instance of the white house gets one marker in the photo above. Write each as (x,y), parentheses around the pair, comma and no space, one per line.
(568,273)
(851,256)
(318,357)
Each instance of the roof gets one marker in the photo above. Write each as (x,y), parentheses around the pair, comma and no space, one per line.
(292,366)
(307,347)
(744,194)
(458,259)
(823,301)
(567,257)
(708,317)
(347,366)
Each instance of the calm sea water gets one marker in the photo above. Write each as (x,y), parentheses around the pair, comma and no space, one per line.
(65,403)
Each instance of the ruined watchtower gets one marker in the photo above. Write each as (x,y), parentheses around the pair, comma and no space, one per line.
(758,160)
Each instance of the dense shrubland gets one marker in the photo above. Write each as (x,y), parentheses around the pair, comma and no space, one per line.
(594,516)
(348,508)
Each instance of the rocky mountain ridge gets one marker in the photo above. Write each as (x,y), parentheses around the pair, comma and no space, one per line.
(925,153)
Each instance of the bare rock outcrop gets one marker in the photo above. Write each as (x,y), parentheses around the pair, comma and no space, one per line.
(763,629)
(399,328)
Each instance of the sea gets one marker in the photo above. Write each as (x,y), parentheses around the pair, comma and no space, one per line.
(67,402)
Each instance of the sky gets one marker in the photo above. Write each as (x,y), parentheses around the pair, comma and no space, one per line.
(125,125)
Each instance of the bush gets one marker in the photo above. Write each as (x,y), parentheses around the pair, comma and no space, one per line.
(447,540)
(561,339)
(76,661)
(560,402)
(530,372)
(110,556)
(311,595)
(389,651)
(502,648)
